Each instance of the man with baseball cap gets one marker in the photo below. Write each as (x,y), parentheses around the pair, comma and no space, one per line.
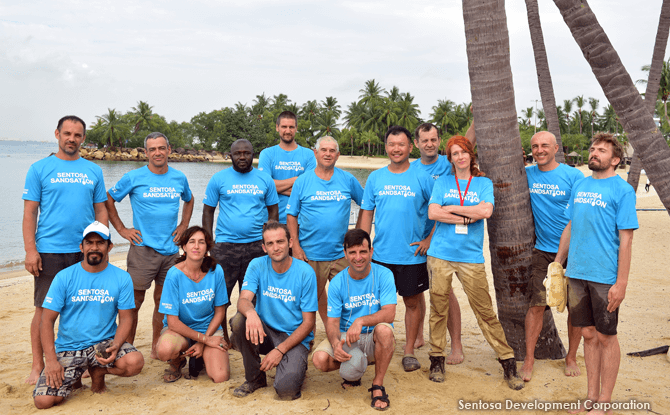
(88,294)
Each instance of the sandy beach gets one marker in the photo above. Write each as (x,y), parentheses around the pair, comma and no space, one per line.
(644,323)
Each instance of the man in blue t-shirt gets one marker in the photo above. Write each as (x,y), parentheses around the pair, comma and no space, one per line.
(286,161)
(87,295)
(550,184)
(280,325)
(427,140)
(247,198)
(399,193)
(319,197)
(68,193)
(361,308)
(597,242)
(154,191)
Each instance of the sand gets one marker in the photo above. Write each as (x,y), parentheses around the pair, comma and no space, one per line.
(644,323)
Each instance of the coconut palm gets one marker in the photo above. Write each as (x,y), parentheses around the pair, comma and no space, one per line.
(141,116)
(444,116)
(371,92)
(280,102)
(544,76)
(393,94)
(352,116)
(567,109)
(408,112)
(511,228)
(663,86)
(594,112)
(527,116)
(112,127)
(326,124)
(620,91)
(579,102)
(330,104)
(261,104)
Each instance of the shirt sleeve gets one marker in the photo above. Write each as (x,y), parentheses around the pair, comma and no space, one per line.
(212,192)
(99,192)
(252,276)
(626,215)
(335,299)
(310,163)
(427,185)
(186,194)
(271,196)
(121,189)
(356,190)
(127,293)
(265,162)
(170,296)
(487,192)
(55,298)
(33,188)
(309,301)
(436,194)
(221,292)
(387,290)
(369,193)
(294,203)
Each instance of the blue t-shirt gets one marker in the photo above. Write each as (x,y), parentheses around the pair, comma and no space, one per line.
(549,195)
(281,165)
(401,204)
(349,299)
(282,298)
(323,209)
(66,191)
(88,304)
(441,167)
(243,199)
(155,202)
(193,302)
(598,208)
(446,243)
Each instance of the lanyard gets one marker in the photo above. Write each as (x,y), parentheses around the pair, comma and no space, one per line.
(459,189)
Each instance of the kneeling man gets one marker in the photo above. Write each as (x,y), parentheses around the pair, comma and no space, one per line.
(87,296)
(280,326)
(361,309)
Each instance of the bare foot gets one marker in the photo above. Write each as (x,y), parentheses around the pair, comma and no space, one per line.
(154,355)
(527,370)
(78,384)
(455,357)
(419,342)
(34,376)
(571,368)
(584,406)
(86,375)
(98,380)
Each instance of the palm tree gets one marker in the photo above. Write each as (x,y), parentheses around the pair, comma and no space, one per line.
(579,101)
(620,91)
(610,120)
(371,92)
(261,104)
(280,102)
(544,76)
(369,138)
(594,112)
(142,116)
(511,229)
(541,117)
(567,109)
(393,94)
(659,80)
(326,124)
(443,115)
(330,104)
(527,116)
(352,116)
(112,127)
(408,113)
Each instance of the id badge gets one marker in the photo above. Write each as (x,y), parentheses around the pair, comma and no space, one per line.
(461,229)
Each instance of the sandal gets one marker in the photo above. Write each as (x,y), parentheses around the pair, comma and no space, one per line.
(350,383)
(384,397)
(174,373)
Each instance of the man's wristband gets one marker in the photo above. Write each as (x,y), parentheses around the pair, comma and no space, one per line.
(282,353)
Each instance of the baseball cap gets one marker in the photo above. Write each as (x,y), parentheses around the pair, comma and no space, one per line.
(98,228)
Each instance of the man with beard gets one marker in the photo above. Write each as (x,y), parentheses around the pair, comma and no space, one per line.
(286,161)
(87,295)
(57,186)
(247,198)
(320,196)
(598,242)
(154,191)
(280,324)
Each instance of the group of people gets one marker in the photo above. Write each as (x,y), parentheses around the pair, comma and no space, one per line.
(282,235)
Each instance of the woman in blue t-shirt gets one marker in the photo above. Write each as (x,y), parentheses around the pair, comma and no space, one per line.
(459,204)
(194,302)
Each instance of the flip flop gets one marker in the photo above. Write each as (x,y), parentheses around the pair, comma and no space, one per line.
(410,363)
(172,375)
(384,397)
(350,383)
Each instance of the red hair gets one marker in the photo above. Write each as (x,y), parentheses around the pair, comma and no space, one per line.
(466,145)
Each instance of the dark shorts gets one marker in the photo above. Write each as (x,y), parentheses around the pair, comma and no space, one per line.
(538,272)
(588,308)
(52,264)
(75,363)
(234,259)
(146,265)
(409,279)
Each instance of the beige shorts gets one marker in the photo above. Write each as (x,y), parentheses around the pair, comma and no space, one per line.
(365,343)
(325,271)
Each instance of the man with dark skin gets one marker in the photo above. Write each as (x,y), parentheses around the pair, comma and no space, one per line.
(154,191)
(247,198)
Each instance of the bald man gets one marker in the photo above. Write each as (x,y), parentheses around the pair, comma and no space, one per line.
(550,185)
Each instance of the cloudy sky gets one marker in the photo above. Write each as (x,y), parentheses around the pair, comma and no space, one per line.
(82,57)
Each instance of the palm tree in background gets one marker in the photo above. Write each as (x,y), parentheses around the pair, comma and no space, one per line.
(567,109)
(326,124)
(142,116)
(330,104)
(408,112)
(444,116)
(580,102)
(112,127)
(371,92)
(594,112)
(280,102)
(394,94)
(663,86)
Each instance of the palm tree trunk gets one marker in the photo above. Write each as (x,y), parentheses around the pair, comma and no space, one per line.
(653,83)
(511,230)
(620,91)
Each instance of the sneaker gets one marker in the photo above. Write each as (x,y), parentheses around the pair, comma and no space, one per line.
(509,369)
(437,369)
(248,388)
